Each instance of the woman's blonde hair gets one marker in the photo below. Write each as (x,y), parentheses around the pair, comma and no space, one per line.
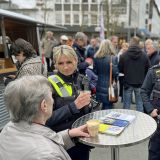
(63,50)
(124,44)
(105,48)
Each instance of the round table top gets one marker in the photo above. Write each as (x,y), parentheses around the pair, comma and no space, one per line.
(137,131)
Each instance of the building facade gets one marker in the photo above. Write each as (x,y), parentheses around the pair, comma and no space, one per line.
(121,17)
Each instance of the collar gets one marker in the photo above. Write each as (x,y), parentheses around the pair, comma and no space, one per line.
(69,79)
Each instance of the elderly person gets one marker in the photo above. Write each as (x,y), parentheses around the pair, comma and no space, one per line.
(69,104)
(28,61)
(79,46)
(114,41)
(102,70)
(26,133)
(151,48)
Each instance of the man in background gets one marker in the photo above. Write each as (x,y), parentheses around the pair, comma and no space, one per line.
(134,64)
(79,46)
(47,46)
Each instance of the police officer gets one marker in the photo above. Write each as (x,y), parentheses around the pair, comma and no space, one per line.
(69,103)
(150,92)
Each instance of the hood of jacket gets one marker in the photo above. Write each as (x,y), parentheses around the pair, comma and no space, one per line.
(134,52)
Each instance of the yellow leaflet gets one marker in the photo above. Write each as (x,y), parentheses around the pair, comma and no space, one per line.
(103,127)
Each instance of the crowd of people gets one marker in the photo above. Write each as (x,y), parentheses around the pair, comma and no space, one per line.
(51,96)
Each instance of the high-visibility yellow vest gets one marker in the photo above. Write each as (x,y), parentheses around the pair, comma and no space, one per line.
(63,89)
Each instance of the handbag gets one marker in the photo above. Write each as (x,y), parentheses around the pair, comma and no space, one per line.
(113,87)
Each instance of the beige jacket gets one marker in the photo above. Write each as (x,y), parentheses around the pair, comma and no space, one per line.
(47,47)
(21,141)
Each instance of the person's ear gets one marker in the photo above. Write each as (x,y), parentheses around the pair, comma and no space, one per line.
(44,106)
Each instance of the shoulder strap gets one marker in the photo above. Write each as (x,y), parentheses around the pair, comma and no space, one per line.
(110,74)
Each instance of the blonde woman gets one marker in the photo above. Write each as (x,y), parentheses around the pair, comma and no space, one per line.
(102,69)
(124,48)
(69,104)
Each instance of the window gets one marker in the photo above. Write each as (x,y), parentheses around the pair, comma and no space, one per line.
(67,18)
(58,1)
(76,1)
(85,20)
(94,1)
(115,1)
(76,19)
(84,7)
(76,7)
(67,7)
(58,7)
(93,19)
(84,1)
(67,1)
(147,8)
(94,7)
(58,18)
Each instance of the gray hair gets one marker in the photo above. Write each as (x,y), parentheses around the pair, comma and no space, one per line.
(23,97)
(80,36)
(105,48)
(153,44)
(113,37)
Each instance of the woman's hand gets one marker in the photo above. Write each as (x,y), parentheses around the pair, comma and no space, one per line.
(79,132)
(83,99)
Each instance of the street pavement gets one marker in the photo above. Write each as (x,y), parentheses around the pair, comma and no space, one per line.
(138,151)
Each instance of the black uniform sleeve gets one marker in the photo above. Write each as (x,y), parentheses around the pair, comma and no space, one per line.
(146,91)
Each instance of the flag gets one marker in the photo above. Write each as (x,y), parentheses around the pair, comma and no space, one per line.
(101,23)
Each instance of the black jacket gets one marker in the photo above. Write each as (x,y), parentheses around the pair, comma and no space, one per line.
(64,109)
(82,65)
(154,58)
(146,91)
(134,63)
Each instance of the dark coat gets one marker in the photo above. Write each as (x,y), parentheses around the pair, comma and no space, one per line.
(64,109)
(92,78)
(91,51)
(134,63)
(102,69)
(154,58)
(82,65)
(147,88)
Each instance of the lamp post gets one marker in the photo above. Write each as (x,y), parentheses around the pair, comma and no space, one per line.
(129,21)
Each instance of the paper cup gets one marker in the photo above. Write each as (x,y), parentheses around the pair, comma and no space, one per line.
(87,91)
(93,127)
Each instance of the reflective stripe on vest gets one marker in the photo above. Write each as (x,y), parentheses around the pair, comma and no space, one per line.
(62,89)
